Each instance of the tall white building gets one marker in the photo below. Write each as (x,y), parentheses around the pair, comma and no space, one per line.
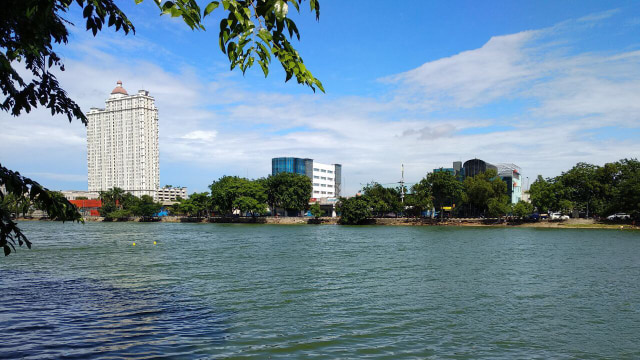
(122,144)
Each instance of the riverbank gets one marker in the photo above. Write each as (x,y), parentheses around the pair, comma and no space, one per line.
(565,224)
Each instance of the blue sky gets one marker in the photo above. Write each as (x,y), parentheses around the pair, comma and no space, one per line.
(540,84)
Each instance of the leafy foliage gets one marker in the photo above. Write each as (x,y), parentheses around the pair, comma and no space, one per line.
(120,205)
(522,209)
(601,190)
(288,191)
(22,189)
(316,211)
(486,193)
(250,31)
(227,191)
(445,189)
(382,200)
(354,210)
(420,199)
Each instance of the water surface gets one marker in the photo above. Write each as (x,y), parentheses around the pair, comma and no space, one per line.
(259,291)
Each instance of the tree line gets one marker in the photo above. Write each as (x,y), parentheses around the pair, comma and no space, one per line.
(482,195)
(591,190)
(231,195)
(117,204)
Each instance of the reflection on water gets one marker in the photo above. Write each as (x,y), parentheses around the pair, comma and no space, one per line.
(48,316)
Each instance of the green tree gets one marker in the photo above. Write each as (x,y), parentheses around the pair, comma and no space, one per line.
(420,199)
(486,193)
(288,191)
(382,200)
(316,211)
(354,210)
(498,206)
(582,187)
(446,190)
(251,31)
(228,189)
(545,194)
(247,204)
(522,209)
(147,207)
(201,204)
(112,200)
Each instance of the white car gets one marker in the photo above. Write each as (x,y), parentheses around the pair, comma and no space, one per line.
(558,216)
(619,216)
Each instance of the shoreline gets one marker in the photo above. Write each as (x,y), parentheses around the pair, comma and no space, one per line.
(565,224)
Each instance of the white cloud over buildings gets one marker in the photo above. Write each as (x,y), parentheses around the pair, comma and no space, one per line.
(532,93)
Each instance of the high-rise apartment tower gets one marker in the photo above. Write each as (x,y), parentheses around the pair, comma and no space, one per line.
(122,144)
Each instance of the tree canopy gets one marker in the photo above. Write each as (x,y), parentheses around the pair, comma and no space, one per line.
(486,193)
(288,191)
(591,189)
(354,210)
(445,189)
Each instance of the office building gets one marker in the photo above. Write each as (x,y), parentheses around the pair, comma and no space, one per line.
(510,174)
(169,194)
(122,144)
(326,178)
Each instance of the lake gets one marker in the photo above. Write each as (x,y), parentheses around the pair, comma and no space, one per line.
(259,291)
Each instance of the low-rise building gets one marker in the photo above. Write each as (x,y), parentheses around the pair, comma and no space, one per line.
(80,194)
(170,194)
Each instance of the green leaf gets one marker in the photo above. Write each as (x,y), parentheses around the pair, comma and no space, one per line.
(212,6)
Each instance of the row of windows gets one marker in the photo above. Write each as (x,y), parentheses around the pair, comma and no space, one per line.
(323,192)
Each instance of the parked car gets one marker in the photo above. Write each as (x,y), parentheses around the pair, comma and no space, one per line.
(558,216)
(619,216)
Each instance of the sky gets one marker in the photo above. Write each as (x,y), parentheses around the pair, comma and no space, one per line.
(540,84)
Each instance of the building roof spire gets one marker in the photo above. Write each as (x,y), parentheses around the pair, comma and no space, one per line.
(119,89)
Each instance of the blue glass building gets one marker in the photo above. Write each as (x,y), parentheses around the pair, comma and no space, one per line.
(291,165)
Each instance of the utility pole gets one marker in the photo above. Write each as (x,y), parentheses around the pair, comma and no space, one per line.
(402,186)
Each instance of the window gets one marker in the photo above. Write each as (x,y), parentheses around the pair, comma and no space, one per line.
(315,184)
(316,177)
(323,170)
(316,192)
(323,185)
(323,178)
(329,193)
(316,169)
(329,185)
(330,179)
(324,192)
(330,172)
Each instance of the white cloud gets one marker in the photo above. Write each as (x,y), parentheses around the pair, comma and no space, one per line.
(220,127)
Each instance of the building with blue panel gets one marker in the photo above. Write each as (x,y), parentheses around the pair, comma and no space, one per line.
(326,178)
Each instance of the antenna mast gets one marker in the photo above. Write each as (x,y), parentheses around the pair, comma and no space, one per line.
(402,186)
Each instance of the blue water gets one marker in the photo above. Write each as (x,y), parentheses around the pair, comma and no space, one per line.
(260,291)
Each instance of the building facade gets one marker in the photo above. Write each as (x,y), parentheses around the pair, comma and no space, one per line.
(510,174)
(169,194)
(326,178)
(122,144)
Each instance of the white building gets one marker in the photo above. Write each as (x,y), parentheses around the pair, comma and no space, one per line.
(325,179)
(75,194)
(170,194)
(122,144)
